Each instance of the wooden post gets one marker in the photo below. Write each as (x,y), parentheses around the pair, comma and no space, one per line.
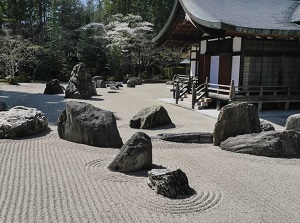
(259,106)
(218,105)
(189,85)
(177,93)
(206,87)
(231,90)
(193,95)
(287,104)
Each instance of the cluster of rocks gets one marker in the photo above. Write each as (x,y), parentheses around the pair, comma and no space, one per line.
(82,86)
(236,119)
(238,129)
(136,155)
(81,122)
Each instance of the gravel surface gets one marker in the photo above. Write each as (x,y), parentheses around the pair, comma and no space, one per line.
(46,179)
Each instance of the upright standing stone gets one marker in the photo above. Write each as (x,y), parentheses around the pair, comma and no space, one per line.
(135,155)
(83,123)
(236,119)
(80,84)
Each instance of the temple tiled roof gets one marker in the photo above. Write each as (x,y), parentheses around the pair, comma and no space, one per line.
(195,19)
(242,15)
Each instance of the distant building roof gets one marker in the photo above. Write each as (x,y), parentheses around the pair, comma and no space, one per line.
(275,18)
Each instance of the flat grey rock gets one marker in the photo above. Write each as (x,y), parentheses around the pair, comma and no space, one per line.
(191,137)
(280,144)
(22,121)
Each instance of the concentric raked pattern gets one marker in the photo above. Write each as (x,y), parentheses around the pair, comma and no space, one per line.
(139,193)
(46,179)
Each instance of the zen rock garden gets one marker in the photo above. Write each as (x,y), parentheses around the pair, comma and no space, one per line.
(238,129)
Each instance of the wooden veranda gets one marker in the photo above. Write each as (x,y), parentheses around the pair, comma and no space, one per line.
(207,92)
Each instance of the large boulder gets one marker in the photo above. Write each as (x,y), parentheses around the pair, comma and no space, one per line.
(54,87)
(135,155)
(83,123)
(80,84)
(98,80)
(169,183)
(293,122)
(236,119)
(284,144)
(150,117)
(22,121)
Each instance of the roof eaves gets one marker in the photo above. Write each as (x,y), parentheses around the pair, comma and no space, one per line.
(210,22)
(159,38)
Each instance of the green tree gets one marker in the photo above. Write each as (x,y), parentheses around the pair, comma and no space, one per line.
(64,18)
(91,47)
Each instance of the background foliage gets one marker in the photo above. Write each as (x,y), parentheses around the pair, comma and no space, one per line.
(113,37)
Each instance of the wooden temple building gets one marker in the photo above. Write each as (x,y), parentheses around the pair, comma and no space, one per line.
(240,50)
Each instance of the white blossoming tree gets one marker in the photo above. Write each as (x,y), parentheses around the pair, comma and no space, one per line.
(129,44)
(129,49)
(14,52)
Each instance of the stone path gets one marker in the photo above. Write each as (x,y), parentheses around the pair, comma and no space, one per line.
(46,179)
